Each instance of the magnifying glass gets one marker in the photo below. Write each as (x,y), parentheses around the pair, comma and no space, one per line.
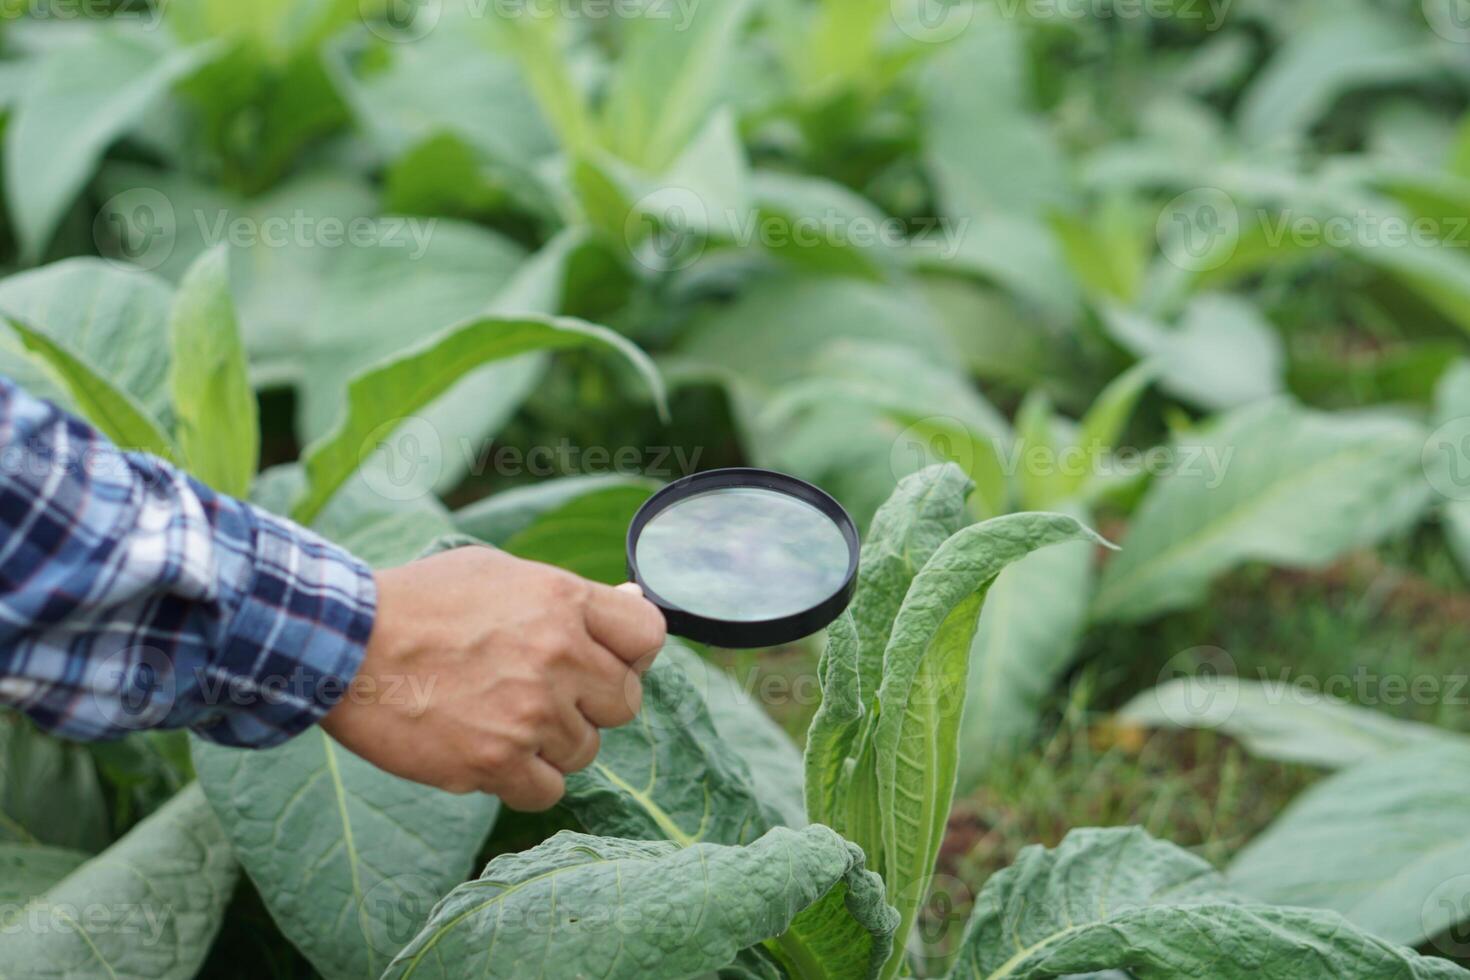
(744,558)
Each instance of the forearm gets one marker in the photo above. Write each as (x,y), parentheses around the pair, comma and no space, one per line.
(131,596)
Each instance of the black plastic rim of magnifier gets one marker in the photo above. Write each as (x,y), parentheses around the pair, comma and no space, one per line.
(735,634)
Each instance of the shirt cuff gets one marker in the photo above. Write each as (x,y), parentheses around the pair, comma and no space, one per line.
(296,640)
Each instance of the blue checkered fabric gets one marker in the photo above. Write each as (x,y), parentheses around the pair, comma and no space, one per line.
(134,597)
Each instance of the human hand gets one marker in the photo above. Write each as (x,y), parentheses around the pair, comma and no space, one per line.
(515,664)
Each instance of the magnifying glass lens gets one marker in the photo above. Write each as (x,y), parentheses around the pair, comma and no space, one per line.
(743,554)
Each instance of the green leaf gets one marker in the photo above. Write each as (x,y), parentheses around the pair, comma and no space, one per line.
(29,870)
(49,791)
(670,775)
(217,418)
(625,910)
(914,735)
(1117,899)
(280,27)
(925,511)
(1278,721)
(1027,637)
(667,775)
(1383,843)
(668,80)
(347,858)
(1270,482)
(499,517)
(104,314)
(416,91)
(986,151)
(112,410)
(742,723)
(382,397)
(384,533)
(587,535)
(82,98)
(1222,355)
(147,908)
(1105,423)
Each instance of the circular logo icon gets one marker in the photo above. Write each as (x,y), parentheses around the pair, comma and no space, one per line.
(933,21)
(401,21)
(674,700)
(1207,686)
(1450,19)
(1445,916)
(402,459)
(667,230)
(137,228)
(936,439)
(135,688)
(943,911)
(1199,231)
(1446,459)
(393,911)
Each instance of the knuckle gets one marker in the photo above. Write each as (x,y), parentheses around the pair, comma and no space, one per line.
(497,756)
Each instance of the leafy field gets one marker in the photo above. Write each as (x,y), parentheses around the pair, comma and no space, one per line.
(1133,334)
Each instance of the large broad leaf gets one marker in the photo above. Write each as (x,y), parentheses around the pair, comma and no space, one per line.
(382,532)
(112,410)
(668,775)
(415,91)
(49,791)
(672,775)
(915,732)
(1117,899)
(1384,843)
(217,418)
(113,319)
(987,152)
(588,535)
(1222,355)
(1027,638)
(347,858)
(1278,720)
(777,332)
(498,518)
(741,722)
(1326,59)
(1270,482)
(147,908)
(623,910)
(925,510)
(82,98)
(379,400)
(668,79)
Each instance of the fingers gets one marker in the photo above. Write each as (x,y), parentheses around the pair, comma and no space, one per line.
(609,692)
(530,786)
(573,744)
(625,623)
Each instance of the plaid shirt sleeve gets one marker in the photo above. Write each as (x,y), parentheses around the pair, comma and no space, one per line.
(134,597)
